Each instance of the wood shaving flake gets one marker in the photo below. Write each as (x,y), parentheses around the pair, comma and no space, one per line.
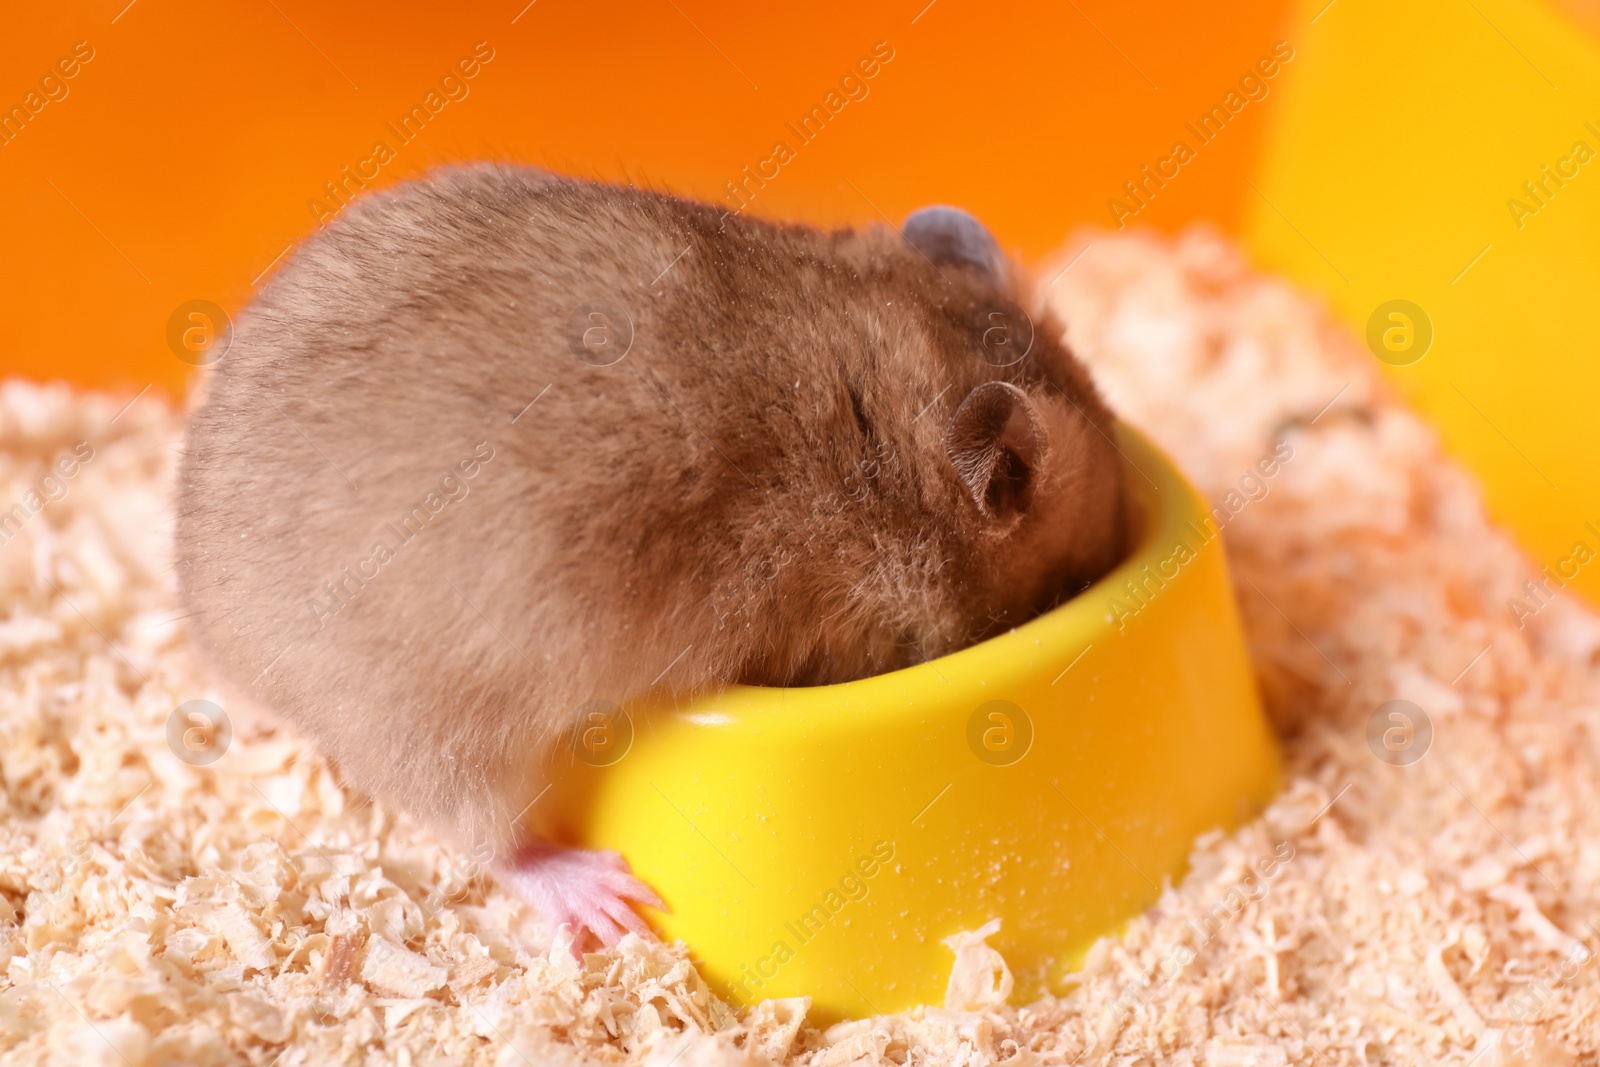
(979,978)
(1439,912)
(393,968)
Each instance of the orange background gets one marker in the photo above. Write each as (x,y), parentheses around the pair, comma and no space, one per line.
(181,162)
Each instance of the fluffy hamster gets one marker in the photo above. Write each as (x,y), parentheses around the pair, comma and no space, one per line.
(495,444)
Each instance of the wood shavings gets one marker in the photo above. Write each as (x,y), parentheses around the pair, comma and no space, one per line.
(774,1025)
(1556,939)
(979,978)
(1444,984)
(1436,912)
(393,968)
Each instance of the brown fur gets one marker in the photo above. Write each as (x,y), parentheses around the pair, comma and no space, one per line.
(759,491)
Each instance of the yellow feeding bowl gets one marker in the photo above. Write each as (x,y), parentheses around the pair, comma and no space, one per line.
(824,841)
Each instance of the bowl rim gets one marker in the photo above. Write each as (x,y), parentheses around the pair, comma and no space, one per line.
(1159,507)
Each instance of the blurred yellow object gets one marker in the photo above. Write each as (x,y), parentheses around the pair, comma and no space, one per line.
(1435,168)
(825,841)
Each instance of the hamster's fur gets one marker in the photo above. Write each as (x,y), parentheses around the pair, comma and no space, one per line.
(425,515)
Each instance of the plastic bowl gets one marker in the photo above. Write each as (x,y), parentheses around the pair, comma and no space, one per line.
(824,841)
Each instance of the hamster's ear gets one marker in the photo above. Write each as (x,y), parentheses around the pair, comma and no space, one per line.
(948,235)
(995,442)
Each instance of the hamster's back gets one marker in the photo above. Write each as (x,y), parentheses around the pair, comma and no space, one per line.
(411,506)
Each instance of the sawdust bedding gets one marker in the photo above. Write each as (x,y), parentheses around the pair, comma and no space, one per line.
(1436,911)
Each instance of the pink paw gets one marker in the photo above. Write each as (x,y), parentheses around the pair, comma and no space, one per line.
(588,891)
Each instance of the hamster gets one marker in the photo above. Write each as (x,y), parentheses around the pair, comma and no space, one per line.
(494,444)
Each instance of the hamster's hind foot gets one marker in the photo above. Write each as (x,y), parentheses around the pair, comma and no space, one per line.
(591,891)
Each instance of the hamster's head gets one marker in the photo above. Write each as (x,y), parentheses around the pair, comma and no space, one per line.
(986,487)
(1038,510)
(1024,475)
